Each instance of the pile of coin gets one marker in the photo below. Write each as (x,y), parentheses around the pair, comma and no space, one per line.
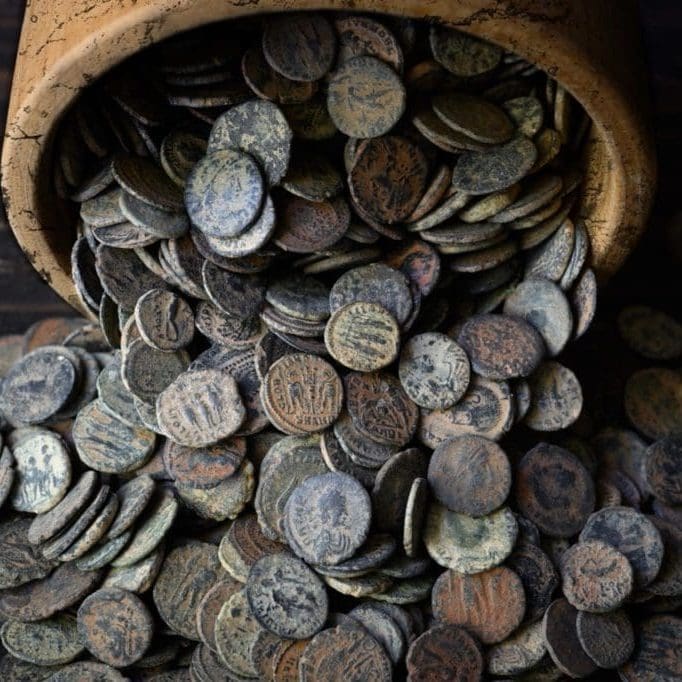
(333,263)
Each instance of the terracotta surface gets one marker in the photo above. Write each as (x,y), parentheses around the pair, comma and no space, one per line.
(591,46)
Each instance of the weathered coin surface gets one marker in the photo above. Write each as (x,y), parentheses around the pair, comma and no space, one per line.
(165,321)
(474,116)
(461,54)
(383,628)
(519,653)
(133,498)
(209,608)
(286,596)
(653,402)
(556,397)
(607,638)
(651,333)
(663,469)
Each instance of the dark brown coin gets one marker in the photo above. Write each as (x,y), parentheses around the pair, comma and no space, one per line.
(633,535)
(133,498)
(334,654)
(595,576)
(653,402)
(490,604)
(337,459)
(203,467)
(286,596)
(462,54)
(657,647)
(40,599)
(366,97)
(554,490)
(302,394)
(501,347)
(607,638)
(474,116)
(419,261)
(115,626)
(20,562)
(165,321)
(651,333)
(360,35)
(556,398)
(227,330)
(187,574)
(388,178)
(663,469)
(300,46)
(383,628)
(209,608)
(470,475)
(380,408)
(237,295)
(445,653)
(538,575)
(563,645)
(145,180)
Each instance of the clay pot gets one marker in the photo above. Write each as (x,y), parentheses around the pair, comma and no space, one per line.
(590,46)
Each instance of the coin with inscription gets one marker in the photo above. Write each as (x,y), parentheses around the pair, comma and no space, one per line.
(556,398)
(607,638)
(360,35)
(327,518)
(286,596)
(165,321)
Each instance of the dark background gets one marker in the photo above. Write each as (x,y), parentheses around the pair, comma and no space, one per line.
(652,274)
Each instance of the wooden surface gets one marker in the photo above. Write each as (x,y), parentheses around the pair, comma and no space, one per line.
(650,275)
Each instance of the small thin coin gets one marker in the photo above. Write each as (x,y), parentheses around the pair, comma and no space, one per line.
(360,35)
(474,116)
(165,320)
(556,398)
(209,608)
(607,638)
(235,294)
(20,561)
(584,301)
(133,498)
(415,512)
(383,628)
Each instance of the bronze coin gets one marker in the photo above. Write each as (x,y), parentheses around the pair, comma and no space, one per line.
(561,637)
(145,180)
(607,638)
(333,654)
(302,394)
(668,582)
(383,628)
(380,408)
(501,347)
(20,562)
(651,333)
(285,663)
(337,459)
(359,35)
(556,398)
(584,301)
(632,534)
(663,467)
(237,295)
(653,402)
(366,97)
(419,261)
(521,652)
(376,551)
(388,178)
(299,46)
(227,330)
(90,670)
(116,626)
(490,605)
(165,321)
(209,608)
(554,490)
(657,648)
(470,475)
(462,54)
(299,296)
(133,498)
(474,116)
(202,467)
(595,576)
(444,653)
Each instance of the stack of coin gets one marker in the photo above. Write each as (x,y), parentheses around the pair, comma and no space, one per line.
(333,261)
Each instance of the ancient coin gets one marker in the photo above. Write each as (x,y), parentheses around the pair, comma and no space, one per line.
(224,193)
(556,397)
(115,397)
(466,544)
(653,402)
(490,604)
(419,261)
(91,670)
(116,626)
(209,608)
(39,385)
(104,553)
(20,561)
(561,637)
(165,321)
(310,531)
(299,296)
(258,128)
(651,333)
(225,329)
(550,259)
(302,394)
(501,347)
(383,628)
(362,336)
(139,576)
(595,576)
(145,180)
(554,490)
(286,596)
(359,35)
(584,301)
(444,652)
(388,178)
(607,638)
(42,473)
(300,46)
(526,112)
(519,653)
(470,475)
(474,116)
(235,294)
(461,54)
(153,221)
(202,467)
(186,575)
(106,444)
(337,459)
(366,97)
(632,534)
(133,496)
(376,551)
(657,645)
(663,468)
(200,408)
(415,511)
(334,652)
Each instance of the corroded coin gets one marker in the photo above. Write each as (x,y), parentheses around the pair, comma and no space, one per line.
(651,333)
(663,469)
(145,180)
(657,646)
(227,330)
(490,604)
(466,544)
(653,402)
(632,534)
(376,551)
(209,608)
(224,193)
(461,54)
(186,575)
(556,397)
(139,576)
(445,652)
(362,336)
(474,116)
(309,529)
(383,628)
(165,321)
(299,296)
(519,653)
(501,347)
(20,561)
(200,408)
(366,97)
(434,370)
(334,653)
(470,475)
(415,511)
(302,394)
(607,638)
(116,626)
(133,498)
(91,670)
(419,261)
(203,467)
(554,490)
(235,294)
(595,576)
(584,301)
(286,596)
(359,35)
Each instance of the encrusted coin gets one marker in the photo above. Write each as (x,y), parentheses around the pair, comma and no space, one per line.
(657,647)
(20,561)
(383,628)
(462,54)
(474,116)
(209,608)
(286,596)
(203,467)
(235,294)
(116,626)
(165,321)
(90,670)
(415,511)
(133,498)
(653,402)
(607,638)
(556,398)
(139,576)
(519,653)
(145,180)
(374,553)
(360,35)
(584,301)
(663,468)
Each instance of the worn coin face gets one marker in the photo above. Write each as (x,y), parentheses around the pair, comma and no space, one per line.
(165,321)
(556,398)
(657,644)
(474,116)
(653,402)
(651,333)
(359,35)
(490,604)
(470,475)
(209,608)
(383,628)
(461,54)
(366,97)
(302,394)
(133,498)
(286,596)
(237,295)
(663,468)
(607,638)
(20,561)
(519,653)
